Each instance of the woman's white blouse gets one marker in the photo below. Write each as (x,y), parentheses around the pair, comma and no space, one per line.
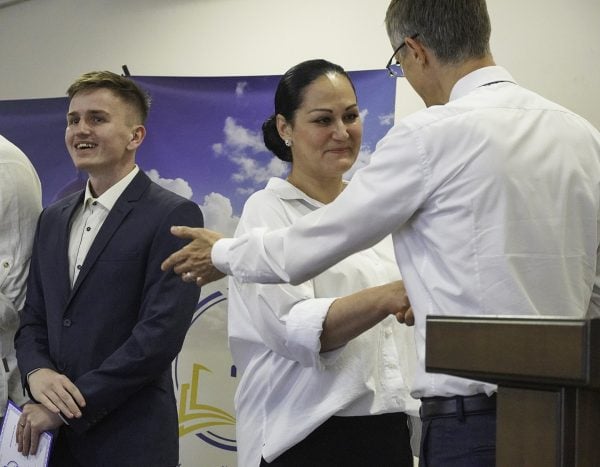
(287,387)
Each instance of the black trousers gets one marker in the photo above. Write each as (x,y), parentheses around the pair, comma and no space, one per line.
(61,455)
(458,431)
(368,441)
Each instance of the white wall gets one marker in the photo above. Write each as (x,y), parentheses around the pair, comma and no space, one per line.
(550,46)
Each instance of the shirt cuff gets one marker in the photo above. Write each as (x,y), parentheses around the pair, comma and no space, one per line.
(30,373)
(219,255)
(63,418)
(304,327)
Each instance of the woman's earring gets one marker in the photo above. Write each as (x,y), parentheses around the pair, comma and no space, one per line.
(288,143)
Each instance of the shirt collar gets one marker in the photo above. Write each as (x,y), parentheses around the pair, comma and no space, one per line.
(110,196)
(285,190)
(478,78)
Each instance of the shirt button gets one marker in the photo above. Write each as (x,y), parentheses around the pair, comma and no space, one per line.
(6,265)
(67,322)
(79,266)
(88,228)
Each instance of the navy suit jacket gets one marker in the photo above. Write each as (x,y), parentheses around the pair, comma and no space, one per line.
(117,330)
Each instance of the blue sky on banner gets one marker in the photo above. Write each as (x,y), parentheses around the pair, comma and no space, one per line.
(204,137)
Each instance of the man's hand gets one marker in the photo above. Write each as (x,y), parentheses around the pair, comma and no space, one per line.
(395,300)
(407,318)
(193,262)
(398,303)
(34,420)
(56,392)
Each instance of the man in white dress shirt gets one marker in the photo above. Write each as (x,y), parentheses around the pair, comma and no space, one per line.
(20,206)
(491,193)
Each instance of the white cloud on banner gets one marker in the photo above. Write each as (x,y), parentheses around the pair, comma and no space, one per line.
(386,120)
(178,185)
(237,136)
(217,209)
(240,89)
(245,191)
(250,169)
(218,214)
(217,148)
(240,146)
(363,114)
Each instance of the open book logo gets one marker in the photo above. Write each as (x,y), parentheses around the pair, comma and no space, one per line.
(205,378)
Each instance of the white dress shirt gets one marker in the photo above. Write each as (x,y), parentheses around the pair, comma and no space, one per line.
(492,201)
(87,221)
(20,206)
(287,387)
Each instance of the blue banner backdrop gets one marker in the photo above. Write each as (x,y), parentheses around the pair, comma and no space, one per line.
(204,142)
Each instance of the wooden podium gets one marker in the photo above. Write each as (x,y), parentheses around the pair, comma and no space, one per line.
(548,376)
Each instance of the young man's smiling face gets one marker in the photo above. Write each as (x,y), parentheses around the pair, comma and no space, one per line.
(103,132)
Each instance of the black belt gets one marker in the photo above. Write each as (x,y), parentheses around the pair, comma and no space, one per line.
(459,406)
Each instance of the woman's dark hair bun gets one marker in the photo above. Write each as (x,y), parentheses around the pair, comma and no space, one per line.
(273,141)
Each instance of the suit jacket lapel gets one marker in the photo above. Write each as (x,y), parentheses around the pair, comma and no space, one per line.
(117,215)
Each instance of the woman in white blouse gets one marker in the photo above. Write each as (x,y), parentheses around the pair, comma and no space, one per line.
(325,366)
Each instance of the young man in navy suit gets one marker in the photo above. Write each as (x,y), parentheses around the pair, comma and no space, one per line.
(102,322)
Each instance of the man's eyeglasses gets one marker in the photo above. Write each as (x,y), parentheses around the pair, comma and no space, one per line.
(395,69)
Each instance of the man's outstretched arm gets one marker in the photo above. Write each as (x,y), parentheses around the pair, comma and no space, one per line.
(378,201)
